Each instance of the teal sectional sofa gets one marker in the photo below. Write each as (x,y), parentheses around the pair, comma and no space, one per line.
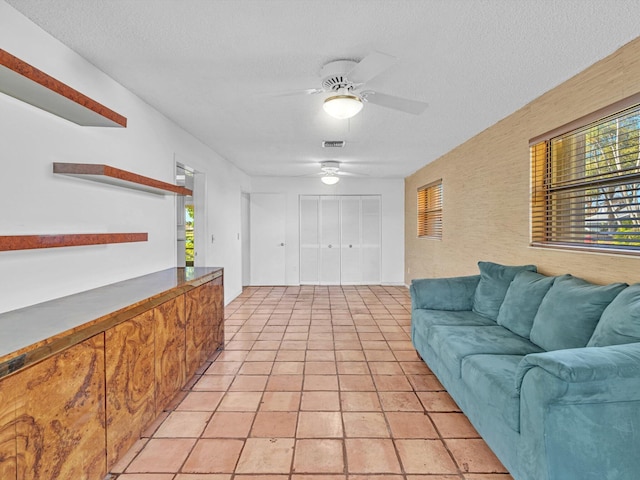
(547,369)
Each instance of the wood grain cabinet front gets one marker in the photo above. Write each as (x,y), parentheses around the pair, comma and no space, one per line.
(8,393)
(74,414)
(217,292)
(60,415)
(170,367)
(130,380)
(204,311)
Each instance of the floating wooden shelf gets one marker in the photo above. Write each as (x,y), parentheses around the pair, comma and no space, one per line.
(25,82)
(28,242)
(115,176)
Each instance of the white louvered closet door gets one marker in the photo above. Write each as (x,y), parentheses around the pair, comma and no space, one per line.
(350,226)
(309,240)
(340,241)
(329,240)
(371,239)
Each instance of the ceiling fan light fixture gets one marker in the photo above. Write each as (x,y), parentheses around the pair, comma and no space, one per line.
(343,106)
(330,179)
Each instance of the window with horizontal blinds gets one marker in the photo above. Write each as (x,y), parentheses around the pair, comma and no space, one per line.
(586,185)
(430,210)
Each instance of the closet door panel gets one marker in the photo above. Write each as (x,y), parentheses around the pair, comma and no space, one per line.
(330,240)
(351,272)
(309,240)
(371,243)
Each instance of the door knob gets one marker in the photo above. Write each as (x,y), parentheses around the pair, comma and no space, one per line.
(330,246)
(282,244)
(350,246)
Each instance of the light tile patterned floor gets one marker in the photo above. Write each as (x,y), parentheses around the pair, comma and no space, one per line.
(315,383)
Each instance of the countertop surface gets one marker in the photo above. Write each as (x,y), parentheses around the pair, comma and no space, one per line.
(31,327)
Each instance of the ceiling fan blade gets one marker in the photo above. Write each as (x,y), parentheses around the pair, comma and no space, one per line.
(351,174)
(308,91)
(317,174)
(397,103)
(371,66)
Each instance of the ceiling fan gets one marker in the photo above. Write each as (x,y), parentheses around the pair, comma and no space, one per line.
(330,172)
(345,80)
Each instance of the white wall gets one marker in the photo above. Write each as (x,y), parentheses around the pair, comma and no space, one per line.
(392,193)
(34,201)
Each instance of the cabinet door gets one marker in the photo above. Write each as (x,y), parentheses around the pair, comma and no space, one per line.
(60,415)
(130,377)
(217,292)
(309,240)
(170,347)
(204,309)
(8,393)
(351,271)
(329,240)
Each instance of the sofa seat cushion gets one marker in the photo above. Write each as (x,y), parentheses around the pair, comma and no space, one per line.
(522,301)
(620,321)
(491,378)
(426,318)
(453,343)
(494,283)
(569,312)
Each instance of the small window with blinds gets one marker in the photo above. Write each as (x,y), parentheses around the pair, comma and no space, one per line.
(586,185)
(430,210)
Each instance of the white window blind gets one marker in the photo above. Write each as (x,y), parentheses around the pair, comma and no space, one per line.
(586,185)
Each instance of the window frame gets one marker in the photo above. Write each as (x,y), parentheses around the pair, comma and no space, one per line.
(430,210)
(549,209)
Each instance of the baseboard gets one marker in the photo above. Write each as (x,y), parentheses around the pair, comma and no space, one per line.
(395,284)
(233,296)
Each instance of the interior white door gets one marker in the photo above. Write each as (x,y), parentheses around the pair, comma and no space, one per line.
(267,233)
(245,237)
(329,240)
(371,239)
(309,240)
(350,226)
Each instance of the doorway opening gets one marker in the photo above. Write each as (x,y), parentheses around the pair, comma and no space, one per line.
(185,215)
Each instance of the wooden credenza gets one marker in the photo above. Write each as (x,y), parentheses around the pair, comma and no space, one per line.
(73,403)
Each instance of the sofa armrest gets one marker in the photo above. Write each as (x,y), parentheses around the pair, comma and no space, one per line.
(580,413)
(588,364)
(453,294)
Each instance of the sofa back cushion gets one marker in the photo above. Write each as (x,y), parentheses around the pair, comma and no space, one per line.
(522,300)
(570,311)
(620,321)
(451,294)
(494,283)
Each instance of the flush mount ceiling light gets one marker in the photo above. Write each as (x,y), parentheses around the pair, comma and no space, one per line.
(330,179)
(343,106)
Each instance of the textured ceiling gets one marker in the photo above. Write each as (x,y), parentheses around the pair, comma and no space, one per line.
(211,65)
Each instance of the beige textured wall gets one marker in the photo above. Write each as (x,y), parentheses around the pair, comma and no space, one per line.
(486,186)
